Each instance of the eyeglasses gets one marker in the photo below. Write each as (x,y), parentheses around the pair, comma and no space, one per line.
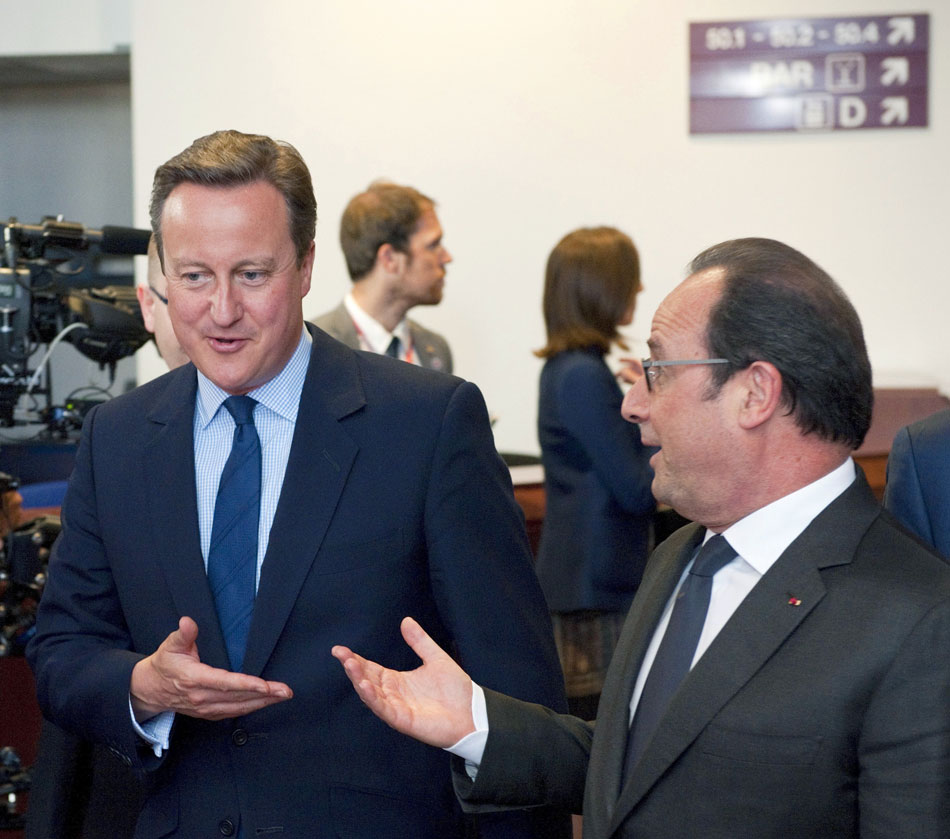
(158,294)
(652,369)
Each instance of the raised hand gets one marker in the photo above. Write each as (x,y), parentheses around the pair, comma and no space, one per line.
(432,703)
(631,371)
(174,679)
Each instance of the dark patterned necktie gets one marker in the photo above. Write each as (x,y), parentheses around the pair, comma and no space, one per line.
(232,557)
(675,653)
(393,349)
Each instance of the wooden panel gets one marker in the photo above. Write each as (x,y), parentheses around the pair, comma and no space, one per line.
(893,409)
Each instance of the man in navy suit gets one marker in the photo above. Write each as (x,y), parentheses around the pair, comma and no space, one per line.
(380,493)
(918,480)
(813,699)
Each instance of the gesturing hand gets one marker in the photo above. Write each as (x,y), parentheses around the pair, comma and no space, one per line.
(174,679)
(631,372)
(432,703)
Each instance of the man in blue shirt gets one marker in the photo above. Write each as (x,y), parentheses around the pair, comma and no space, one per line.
(368,488)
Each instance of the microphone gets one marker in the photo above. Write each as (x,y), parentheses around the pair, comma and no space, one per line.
(122,241)
(114,240)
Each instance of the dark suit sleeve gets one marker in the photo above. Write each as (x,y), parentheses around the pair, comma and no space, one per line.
(533,756)
(81,652)
(484,584)
(903,495)
(590,410)
(480,561)
(904,749)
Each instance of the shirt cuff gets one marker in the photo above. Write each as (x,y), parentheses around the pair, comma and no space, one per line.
(471,747)
(156,730)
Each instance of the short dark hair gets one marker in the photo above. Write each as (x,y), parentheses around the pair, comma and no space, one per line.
(779,306)
(385,214)
(229,159)
(591,278)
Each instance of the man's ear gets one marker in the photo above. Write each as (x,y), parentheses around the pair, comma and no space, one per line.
(760,392)
(146,302)
(389,259)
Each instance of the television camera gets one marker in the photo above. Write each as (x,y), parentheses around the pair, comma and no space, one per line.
(50,275)
(24,556)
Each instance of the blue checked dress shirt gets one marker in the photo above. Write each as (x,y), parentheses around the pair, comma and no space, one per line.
(275,418)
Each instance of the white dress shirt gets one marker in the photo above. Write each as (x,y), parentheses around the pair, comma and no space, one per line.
(375,337)
(759,539)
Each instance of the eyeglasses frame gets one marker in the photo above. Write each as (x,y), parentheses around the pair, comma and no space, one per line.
(649,365)
(158,294)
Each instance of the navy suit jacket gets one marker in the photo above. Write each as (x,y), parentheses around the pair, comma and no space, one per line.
(394,503)
(597,476)
(918,480)
(822,708)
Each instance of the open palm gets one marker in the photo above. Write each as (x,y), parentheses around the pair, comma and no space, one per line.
(432,703)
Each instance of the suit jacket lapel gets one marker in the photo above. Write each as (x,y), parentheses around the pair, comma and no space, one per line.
(421,345)
(781,600)
(610,738)
(320,460)
(345,328)
(173,507)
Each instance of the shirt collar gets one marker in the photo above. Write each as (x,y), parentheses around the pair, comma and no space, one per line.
(281,394)
(373,333)
(762,537)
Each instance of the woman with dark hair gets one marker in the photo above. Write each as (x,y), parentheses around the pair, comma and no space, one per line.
(598,523)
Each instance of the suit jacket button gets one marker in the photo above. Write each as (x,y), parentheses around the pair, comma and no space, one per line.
(226,827)
(239,736)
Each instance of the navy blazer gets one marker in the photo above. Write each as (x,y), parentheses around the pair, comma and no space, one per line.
(918,480)
(597,476)
(820,710)
(394,503)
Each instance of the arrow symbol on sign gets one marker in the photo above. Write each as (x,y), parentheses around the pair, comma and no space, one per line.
(902,28)
(895,70)
(894,109)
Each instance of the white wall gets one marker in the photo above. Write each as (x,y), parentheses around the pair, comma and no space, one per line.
(527,118)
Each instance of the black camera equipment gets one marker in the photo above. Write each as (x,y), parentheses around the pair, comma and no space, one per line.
(24,558)
(13,779)
(50,276)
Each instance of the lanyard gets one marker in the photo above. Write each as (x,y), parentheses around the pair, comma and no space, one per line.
(410,350)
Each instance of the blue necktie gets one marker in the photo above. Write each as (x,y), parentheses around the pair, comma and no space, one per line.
(675,653)
(393,349)
(232,557)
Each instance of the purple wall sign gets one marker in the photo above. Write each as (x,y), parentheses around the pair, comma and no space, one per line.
(809,74)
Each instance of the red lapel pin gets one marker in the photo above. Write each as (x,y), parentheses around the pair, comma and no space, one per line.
(794,601)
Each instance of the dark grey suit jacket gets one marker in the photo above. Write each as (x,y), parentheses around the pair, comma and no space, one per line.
(432,348)
(821,710)
(918,480)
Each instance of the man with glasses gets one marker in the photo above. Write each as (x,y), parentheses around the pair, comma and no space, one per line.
(153,301)
(783,668)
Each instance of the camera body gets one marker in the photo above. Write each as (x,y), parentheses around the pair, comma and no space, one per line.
(49,291)
(23,563)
